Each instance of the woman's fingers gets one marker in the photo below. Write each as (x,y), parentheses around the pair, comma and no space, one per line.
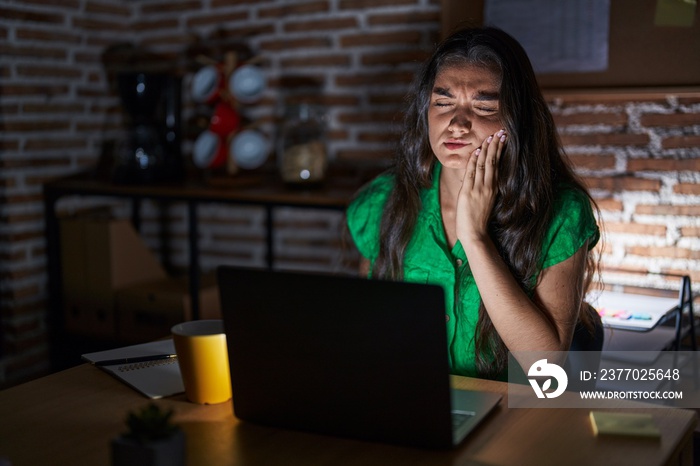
(486,160)
(493,154)
(471,171)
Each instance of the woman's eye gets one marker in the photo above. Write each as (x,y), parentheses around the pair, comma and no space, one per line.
(487,109)
(442,104)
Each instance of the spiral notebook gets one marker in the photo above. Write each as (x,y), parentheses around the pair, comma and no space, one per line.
(154,379)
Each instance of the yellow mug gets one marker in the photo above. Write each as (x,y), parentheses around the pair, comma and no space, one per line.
(203,358)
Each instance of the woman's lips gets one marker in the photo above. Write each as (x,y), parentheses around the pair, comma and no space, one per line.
(455,145)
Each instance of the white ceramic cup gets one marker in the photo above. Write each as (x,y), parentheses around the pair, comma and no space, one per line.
(249,149)
(207,84)
(247,83)
(209,150)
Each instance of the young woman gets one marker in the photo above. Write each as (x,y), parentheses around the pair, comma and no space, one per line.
(482,201)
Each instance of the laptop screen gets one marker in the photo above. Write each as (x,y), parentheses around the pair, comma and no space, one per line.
(338,355)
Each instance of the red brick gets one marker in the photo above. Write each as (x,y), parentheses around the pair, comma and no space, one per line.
(404,18)
(690,232)
(635,229)
(381,39)
(359,155)
(680,142)
(33,71)
(592,162)
(664,164)
(374,137)
(44,108)
(26,52)
(368,4)
(49,144)
(220,18)
(46,90)
(575,98)
(673,210)
(154,25)
(664,120)
(366,79)
(9,145)
(597,118)
(227,3)
(395,99)
(13,14)
(247,30)
(394,58)
(334,24)
(302,43)
(317,60)
(47,36)
(66,5)
(87,58)
(689,99)
(368,117)
(27,162)
(613,139)
(174,40)
(609,204)
(35,125)
(687,188)
(94,7)
(693,274)
(293,9)
(666,252)
(173,7)
(91,24)
(622,183)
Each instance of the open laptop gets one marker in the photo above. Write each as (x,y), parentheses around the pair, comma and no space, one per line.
(344,356)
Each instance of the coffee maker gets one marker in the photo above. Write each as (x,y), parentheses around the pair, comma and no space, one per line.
(150,148)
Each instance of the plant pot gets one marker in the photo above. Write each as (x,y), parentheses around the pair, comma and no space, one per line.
(166,452)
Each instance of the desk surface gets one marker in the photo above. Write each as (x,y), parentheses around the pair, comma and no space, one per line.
(68,418)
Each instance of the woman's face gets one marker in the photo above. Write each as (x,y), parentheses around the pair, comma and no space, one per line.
(464,111)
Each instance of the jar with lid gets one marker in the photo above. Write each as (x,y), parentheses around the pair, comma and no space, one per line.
(301,147)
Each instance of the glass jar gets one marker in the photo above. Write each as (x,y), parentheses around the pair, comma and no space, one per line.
(301,147)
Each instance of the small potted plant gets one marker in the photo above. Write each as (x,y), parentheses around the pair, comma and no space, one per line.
(151,440)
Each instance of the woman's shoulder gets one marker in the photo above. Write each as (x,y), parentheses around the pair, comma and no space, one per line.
(375,193)
(364,214)
(569,196)
(573,222)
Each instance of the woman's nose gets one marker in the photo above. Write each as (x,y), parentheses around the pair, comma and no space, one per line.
(461,120)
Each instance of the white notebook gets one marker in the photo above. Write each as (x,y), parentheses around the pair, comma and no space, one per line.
(154,379)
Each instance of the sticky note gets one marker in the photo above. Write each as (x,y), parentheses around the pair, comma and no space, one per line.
(675,13)
(628,424)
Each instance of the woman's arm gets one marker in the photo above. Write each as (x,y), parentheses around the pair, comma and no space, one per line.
(544,323)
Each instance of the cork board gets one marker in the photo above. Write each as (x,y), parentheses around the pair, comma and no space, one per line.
(640,54)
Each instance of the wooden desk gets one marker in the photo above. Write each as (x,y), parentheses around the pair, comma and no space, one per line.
(68,418)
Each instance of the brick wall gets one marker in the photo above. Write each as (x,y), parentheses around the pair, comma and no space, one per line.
(639,153)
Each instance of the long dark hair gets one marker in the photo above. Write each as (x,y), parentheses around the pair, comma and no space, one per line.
(532,165)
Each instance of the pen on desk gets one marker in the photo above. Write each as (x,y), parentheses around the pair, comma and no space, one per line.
(114,362)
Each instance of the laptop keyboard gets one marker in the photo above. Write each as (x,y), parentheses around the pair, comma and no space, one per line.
(459,417)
